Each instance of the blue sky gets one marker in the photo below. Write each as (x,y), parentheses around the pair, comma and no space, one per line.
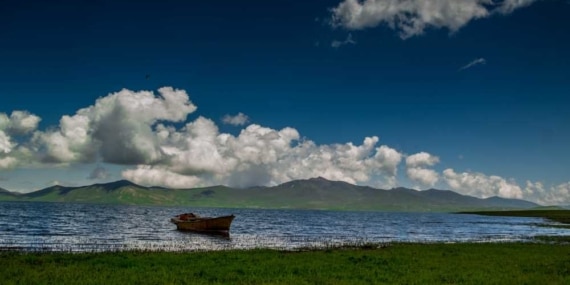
(471,97)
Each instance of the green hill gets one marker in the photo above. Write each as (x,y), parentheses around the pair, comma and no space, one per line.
(315,193)
(6,195)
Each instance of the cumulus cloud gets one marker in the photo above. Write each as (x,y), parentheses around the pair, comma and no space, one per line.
(5,143)
(481,185)
(7,162)
(200,155)
(423,176)
(554,195)
(347,41)
(137,129)
(475,62)
(560,194)
(13,128)
(18,155)
(417,170)
(238,120)
(22,122)
(484,186)
(421,159)
(118,128)
(412,17)
(18,124)
(160,176)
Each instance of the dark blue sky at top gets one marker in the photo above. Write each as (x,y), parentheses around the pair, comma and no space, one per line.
(273,61)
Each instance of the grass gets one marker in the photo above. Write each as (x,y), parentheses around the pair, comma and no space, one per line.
(561,216)
(463,263)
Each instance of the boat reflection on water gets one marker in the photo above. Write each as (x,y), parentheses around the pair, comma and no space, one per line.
(221,235)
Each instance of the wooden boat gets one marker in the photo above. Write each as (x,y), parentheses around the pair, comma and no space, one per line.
(193,222)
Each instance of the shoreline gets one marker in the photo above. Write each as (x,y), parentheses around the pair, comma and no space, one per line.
(560,216)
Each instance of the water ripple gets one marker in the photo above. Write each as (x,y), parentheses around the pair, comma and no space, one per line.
(88,227)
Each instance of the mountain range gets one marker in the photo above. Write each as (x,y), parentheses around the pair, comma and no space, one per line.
(314,193)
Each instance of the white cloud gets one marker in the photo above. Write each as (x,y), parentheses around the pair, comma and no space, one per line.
(238,120)
(481,185)
(18,124)
(4,122)
(349,40)
(118,128)
(484,186)
(132,128)
(14,129)
(413,17)
(18,155)
(560,193)
(6,144)
(424,176)
(416,168)
(22,122)
(70,143)
(159,176)
(260,156)
(421,159)
(7,162)
(344,162)
(475,62)
(554,195)
(387,159)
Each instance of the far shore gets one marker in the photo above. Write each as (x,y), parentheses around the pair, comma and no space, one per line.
(561,216)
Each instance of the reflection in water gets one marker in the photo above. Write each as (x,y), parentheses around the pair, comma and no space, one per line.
(213,234)
(87,227)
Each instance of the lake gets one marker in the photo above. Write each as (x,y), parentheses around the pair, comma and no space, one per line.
(96,227)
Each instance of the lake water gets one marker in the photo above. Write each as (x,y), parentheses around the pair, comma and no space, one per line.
(88,227)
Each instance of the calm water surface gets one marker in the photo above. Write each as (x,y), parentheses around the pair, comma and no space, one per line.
(88,227)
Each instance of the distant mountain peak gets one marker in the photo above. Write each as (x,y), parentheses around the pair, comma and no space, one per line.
(117,184)
(315,182)
(319,178)
(404,189)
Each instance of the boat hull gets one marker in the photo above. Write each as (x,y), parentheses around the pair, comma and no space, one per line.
(217,224)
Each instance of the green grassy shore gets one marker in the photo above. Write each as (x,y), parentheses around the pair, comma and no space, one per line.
(463,263)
